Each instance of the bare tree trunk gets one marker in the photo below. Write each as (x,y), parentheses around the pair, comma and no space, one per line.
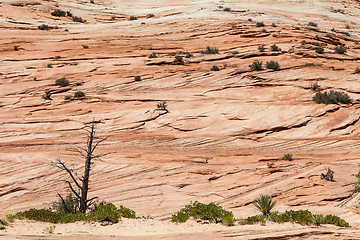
(87,153)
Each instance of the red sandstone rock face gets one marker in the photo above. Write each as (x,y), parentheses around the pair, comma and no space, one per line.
(221,128)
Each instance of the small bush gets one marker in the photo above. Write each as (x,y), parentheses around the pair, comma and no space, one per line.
(260,24)
(329,36)
(302,217)
(273,25)
(357,70)
(178,59)
(133,18)
(235,52)
(153,55)
(79,94)
(210,50)
(312,24)
(261,48)
(273,65)
(150,15)
(303,42)
(252,220)
(162,106)
(62,82)
(58,13)
(256,66)
(78,19)
(137,78)
(126,212)
(85,46)
(106,212)
(205,212)
(227,9)
(315,44)
(319,50)
(66,206)
(317,219)
(16,48)
(270,165)
(69,14)
(264,30)
(43,27)
(340,49)
(287,157)
(329,175)
(335,220)
(314,86)
(313,64)
(215,68)
(333,97)
(265,204)
(275,48)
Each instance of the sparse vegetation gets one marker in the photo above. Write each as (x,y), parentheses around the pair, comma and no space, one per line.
(357,70)
(328,35)
(315,86)
(340,49)
(265,204)
(270,165)
(264,30)
(329,175)
(79,94)
(227,9)
(319,50)
(215,68)
(178,59)
(312,24)
(235,52)
(162,106)
(3,224)
(204,212)
(62,82)
(273,65)
(256,66)
(261,48)
(273,25)
(288,157)
(132,18)
(126,212)
(313,64)
(210,50)
(77,19)
(43,27)
(85,46)
(150,15)
(333,97)
(153,55)
(357,182)
(49,229)
(303,42)
(275,48)
(260,24)
(58,13)
(137,78)
(16,48)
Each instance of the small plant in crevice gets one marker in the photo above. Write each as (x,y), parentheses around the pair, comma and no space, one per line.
(162,106)
(43,27)
(319,50)
(315,86)
(204,212)
(315,44)
(62,82)
(79,94)
(260,24)
(265,204)
(357,70)
(235,52)
(329,175)
(227,9)
(58,13)
(357,182)
(275,48)
(273,65)
(261,48)
(332,97)
(16,48)
(49,229)
(69,14)
(178,59)
(340,49)
(85,46)
(153,55)
(256,66)
(132,18)
(57,57)
(150,15)
(210,50)
(288,157)
(303,42)
(264,30)
(312,24)
(215,68)
(270,165)
(137,78)
(329,36)
(273,25)
(78,19)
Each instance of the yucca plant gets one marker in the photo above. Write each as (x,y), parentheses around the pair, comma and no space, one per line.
(265,204)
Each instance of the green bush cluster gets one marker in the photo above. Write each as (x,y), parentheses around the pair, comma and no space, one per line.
(58,13)
(78,19)
(210,50)
(340,49)
(333,97)
(204,212)
(303,217)
(273,65)
(62,82)
(103,212)
(256,66)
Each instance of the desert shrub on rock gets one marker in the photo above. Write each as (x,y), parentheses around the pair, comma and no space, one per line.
(312,24)
(273,65)
(204,212)
(210,50)
(287,157)
(265,204)
(340,49)
(62,82)
(43,27)
(58,13)
(332,97)
(260,24)
(319,50)
(256,66)
(275,48)
(126,212)
(79,94)
(215,68)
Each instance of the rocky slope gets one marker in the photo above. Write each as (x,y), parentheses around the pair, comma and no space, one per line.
(221,128)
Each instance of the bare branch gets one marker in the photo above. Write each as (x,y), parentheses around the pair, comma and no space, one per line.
(72,189)
(63,167)
(78,150)
(101,155)
(91,199)
(101,140)
(64,204)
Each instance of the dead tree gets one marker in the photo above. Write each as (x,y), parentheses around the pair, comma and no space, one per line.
(82,182)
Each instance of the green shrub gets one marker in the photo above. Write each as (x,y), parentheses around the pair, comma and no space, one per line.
(137,78)
(210,50)
(357,70)
(69,14)
(319,50)
(46,215)
(357,183)
(340,49)
(273,25)
(79,94)
(78,19)
(287,157)
(315,44)
(62,82)
(150,15)
(260,24)
(66,206)
(265,204)
(215,68)
(312,24)
(205,212)
(133,18)
(317,219)
(261,48)
(58,13)
(126,212)
(333,97)
(302,217)
(329,175)
(106,212)
(256,66)
(43,27)
(252,220)
(275,48)
(303,42)
(153,55)
(335,220)
(179,59)
(314,86)
(273,65)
